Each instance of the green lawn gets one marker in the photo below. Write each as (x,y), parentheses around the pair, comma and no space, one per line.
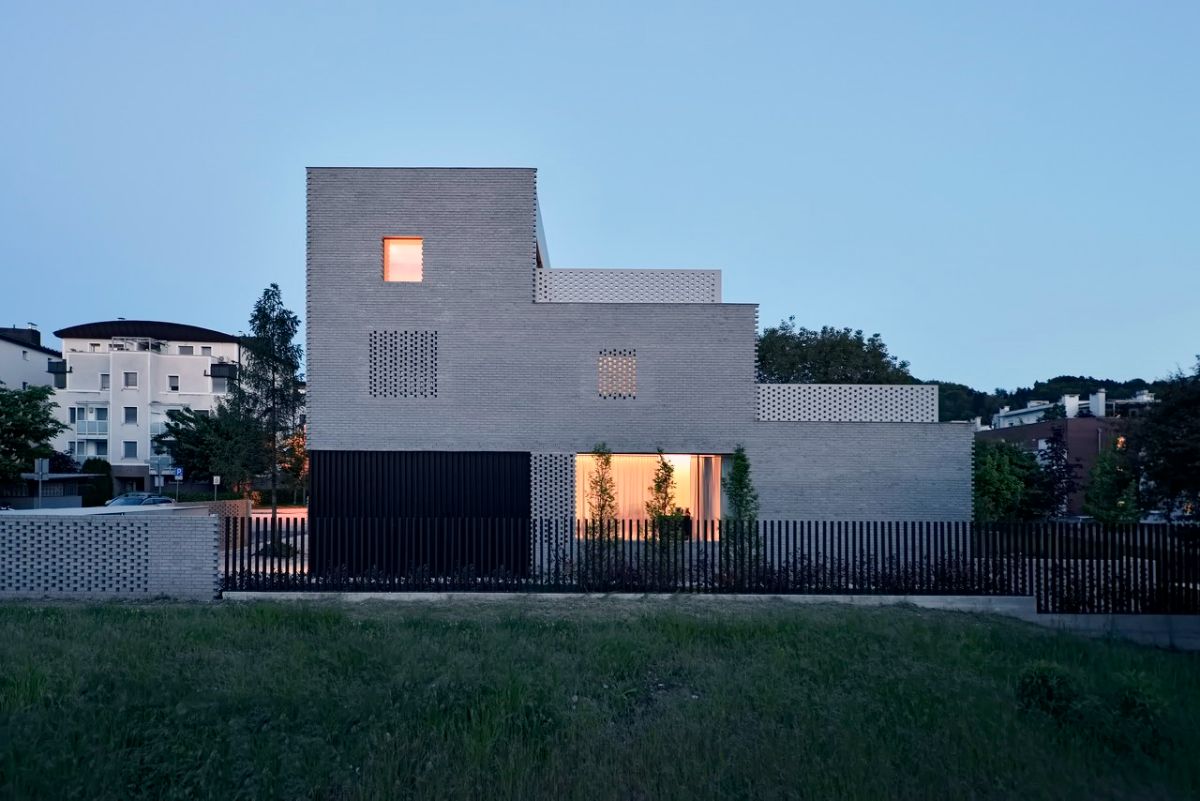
(604,700)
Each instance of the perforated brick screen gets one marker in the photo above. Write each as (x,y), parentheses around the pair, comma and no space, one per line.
(627,286)
(848,403)
(617,374)
(403,364)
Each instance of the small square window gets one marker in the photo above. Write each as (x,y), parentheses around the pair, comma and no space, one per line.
(172,383)
(131,379)
(186,350)
(206,350)
(25,355)
(130,415)
(104,384)
(403,258)
(130,450)
(101,413)
(101,447)
(94,347)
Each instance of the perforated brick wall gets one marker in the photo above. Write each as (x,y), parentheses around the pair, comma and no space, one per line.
(552,506)
(617,374)
(124,556)
(403,364)
(848,403)
(552,485)
(627,286)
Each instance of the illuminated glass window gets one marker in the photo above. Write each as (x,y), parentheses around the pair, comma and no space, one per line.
(402,258)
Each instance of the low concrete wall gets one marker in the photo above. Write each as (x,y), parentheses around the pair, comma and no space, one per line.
(127,556)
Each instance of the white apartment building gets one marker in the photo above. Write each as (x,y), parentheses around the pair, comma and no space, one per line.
(117,380)
(23,358)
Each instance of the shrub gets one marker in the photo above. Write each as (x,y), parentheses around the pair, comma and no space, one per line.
(1048,687)
(99,489)
(1137,711)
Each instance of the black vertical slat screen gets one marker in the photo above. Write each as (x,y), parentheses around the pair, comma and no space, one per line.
(1067,568)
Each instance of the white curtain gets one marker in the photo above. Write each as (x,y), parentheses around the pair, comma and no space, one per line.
(697,484)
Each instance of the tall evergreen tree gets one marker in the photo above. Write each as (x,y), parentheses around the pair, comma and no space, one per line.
(269,383)
(662,491)
(602,488)
(739,488)
(1059,473)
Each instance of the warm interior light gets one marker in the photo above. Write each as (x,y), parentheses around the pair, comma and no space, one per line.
(697,483)
(402,258)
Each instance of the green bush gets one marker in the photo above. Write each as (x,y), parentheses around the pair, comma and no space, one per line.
(1128,718)
(1136,715)
(1048,687)
(99,489)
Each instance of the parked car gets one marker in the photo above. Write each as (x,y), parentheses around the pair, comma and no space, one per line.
(139,499)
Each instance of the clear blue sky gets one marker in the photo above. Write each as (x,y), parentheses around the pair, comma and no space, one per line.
(1006,191)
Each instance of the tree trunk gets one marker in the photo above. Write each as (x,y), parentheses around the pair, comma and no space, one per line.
(274,458)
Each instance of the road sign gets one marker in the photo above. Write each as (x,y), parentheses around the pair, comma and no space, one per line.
(179,474)
(159,464)
(216,480)
(41,468)
(158,481)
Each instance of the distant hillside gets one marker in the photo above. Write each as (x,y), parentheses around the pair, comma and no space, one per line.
(960,402)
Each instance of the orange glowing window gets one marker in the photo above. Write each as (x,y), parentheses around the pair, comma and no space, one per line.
(402,258)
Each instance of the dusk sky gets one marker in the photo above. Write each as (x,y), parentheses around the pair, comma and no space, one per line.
(1005,191)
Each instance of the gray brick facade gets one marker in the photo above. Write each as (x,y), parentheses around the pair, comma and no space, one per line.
(108,556)
(517,375)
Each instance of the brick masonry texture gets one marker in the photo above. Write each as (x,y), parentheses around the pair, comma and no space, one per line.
(109,557)
(627,286)
(848,403)
(513,374)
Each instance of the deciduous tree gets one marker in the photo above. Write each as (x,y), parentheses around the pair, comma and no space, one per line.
(1112,493)
(1166,443)
(791,354)
(27,424)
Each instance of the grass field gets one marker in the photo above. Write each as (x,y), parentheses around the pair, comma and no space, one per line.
(606,700)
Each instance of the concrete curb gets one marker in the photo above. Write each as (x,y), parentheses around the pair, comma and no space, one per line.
(1165,631)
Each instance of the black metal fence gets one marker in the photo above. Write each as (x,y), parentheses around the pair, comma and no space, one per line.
(1066,567)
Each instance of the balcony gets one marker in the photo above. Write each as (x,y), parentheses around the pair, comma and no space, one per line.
(226,370)
(157,428)
(91,428)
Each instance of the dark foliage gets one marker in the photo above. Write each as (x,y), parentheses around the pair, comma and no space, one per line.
(791,354)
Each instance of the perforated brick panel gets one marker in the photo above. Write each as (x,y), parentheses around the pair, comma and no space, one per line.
(848,403)
(617,374)
(627,286)
(102,556)
(403,364)
(552,485)
(552,506)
